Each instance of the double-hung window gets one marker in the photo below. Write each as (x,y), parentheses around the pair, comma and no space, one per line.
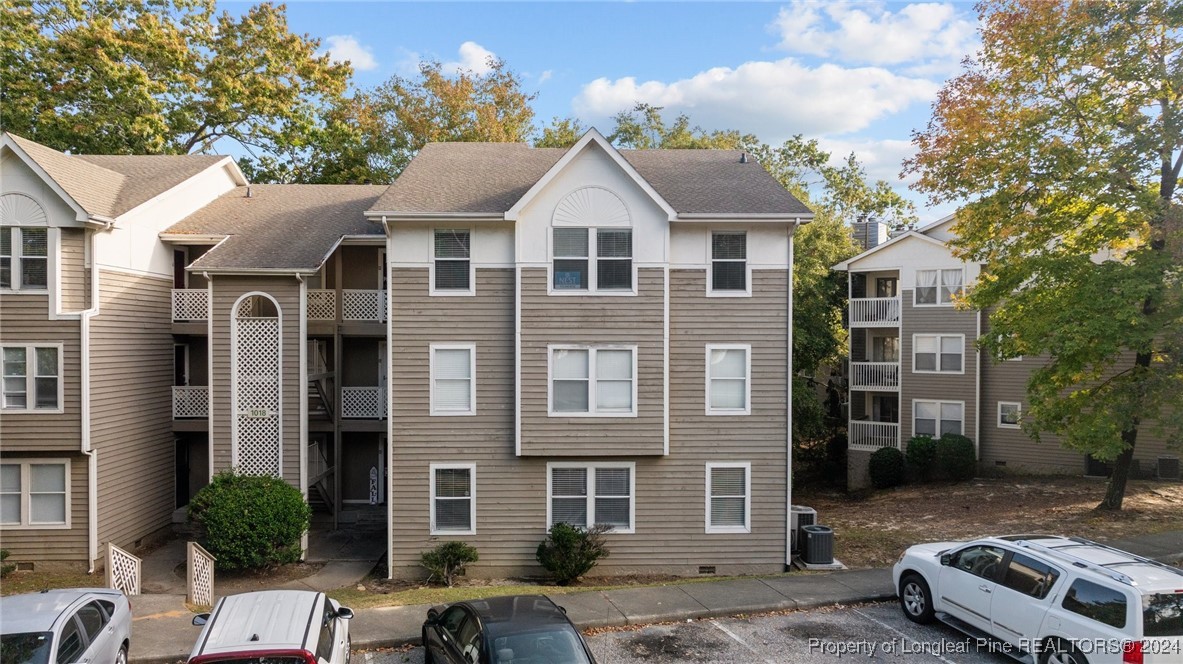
(728,371)
(593,381)
(453,498)
(24,258)
(453,379)
(452,264)
(32,378)
(729,263)
(1010,414)
(938,353)
(35,493)
(584,495)
(938,287)
(729,498)
(592,259)
(937,418)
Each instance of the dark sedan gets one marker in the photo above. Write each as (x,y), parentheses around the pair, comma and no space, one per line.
(521,629)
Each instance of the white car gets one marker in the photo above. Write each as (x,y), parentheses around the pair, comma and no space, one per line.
(1055,600)
(276,626)
(91,625)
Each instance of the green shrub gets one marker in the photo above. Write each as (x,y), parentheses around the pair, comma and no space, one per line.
(5,568)
(956,457)
(569,552)
(886,468)
(922,456)
(447,561)
(251,521)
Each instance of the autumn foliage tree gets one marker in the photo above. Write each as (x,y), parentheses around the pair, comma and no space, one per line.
(1065,133)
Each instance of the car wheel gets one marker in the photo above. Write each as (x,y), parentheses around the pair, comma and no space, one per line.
(916,599)
(121,657)
(1056,651)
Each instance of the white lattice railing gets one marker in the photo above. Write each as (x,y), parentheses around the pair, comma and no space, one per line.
(875,312)
(322,305)
(190,401)
(199,575)
(875,375)
(865,435)
(362,402)
(191,304)
(363,305)
(123,570)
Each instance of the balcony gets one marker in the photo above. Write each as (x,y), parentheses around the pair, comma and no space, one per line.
(870,436)
(363,403)
(356,306)
(875,312)
(190,304)
(190,401)
(875,376)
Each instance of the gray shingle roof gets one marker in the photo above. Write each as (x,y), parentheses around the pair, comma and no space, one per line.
(488,178)
(281,226)
(110,185)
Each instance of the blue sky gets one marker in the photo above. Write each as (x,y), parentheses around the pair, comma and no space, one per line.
(855,75)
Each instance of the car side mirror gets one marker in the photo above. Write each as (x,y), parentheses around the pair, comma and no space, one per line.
(200,619)
(946,559)
(345,613)
(432,616)
(563,609)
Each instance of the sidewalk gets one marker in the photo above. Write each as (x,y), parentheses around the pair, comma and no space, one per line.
(163,634)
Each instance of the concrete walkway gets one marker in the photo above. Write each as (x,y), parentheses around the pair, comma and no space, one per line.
(162,632)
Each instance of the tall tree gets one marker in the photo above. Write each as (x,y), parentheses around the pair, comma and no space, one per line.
(562,133)
(161,76)
(1066,133)
(643,128)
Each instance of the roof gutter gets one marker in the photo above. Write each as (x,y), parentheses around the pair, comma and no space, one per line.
(797,218)
(387,216)
(263,271)
(186,238)
(106,223)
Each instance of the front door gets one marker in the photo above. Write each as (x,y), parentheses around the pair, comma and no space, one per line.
(180,260)
(968,583)
(886,287)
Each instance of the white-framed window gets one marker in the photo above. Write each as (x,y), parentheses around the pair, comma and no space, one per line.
(35,493)
(728,378)
(32,378)
(453,379)
(729,264)
(1010,414)
(586,494)
(24,258)
(936,418)
(938,353)
(453,498)
(938,287)
(451,265)
(593,381)
(729,498)
(592,260)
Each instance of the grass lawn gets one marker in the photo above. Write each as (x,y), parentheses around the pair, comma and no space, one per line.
(17,583)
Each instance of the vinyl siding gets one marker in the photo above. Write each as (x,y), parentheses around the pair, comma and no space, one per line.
(73,270)
(286,292)
(131,406)
(52,545)
(935,386)
(592,320)
(24,319)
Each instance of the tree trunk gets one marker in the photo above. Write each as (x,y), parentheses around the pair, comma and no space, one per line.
(1115,490)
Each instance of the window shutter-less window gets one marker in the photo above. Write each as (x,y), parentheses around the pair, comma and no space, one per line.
(728,373)
(452,256)
(15,372)
(613,491)
(729,253)
(570,259)
(10,493)
(453,379)
(614,384)
(34,257)
(453,499)
(46,378)
(570,376)
(614,264)
(951,353)
(47,493)
(6,257)
(568,489)
(728,497)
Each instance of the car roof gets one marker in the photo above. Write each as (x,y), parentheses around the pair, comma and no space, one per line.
(527,610)
(1085,556)
(275,619)
(37,612)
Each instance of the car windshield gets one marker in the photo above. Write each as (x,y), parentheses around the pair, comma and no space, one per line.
(552,644)
(1162,615)
(25,648)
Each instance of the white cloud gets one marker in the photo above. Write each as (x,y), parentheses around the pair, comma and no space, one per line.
(342,48)
(883,159)
(772,100)
(545,76)
(925,38)
(473,57)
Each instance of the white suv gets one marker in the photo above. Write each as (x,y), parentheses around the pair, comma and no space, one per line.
(1057,600)
(276,627)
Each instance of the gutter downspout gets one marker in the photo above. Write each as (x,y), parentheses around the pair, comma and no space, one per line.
(209,371)
(389,461)
(978,390)
(789,405)
(92,460)
(303,392)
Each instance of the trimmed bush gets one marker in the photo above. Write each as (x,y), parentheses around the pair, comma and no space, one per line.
(251,521)
(956,457)
(886,468)
(5,568)
(922,456)
(447,561)
(569,552)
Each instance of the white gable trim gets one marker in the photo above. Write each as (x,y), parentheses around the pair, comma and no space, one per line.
(937,224)
(592,136)
(845,265)
(81,215)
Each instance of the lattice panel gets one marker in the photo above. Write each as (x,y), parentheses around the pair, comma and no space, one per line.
(190,304)
(362,402)
(246,308)
(322,305)
(190,401)
(199,575)
(257,395)
(123,570)
(363,305)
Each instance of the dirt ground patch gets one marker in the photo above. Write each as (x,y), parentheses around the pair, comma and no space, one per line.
(873,531)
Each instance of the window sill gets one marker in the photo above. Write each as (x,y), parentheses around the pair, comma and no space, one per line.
(728,530)
(727,293)
(942,373)
(1015,427)
(736,412)
(25,291)
(591,293)
(594,415)
(452,413)
(32,411)
(35,526)
(452,293)
(451,533)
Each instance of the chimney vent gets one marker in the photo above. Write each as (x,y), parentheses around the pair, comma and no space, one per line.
(248,191)
(743,157)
